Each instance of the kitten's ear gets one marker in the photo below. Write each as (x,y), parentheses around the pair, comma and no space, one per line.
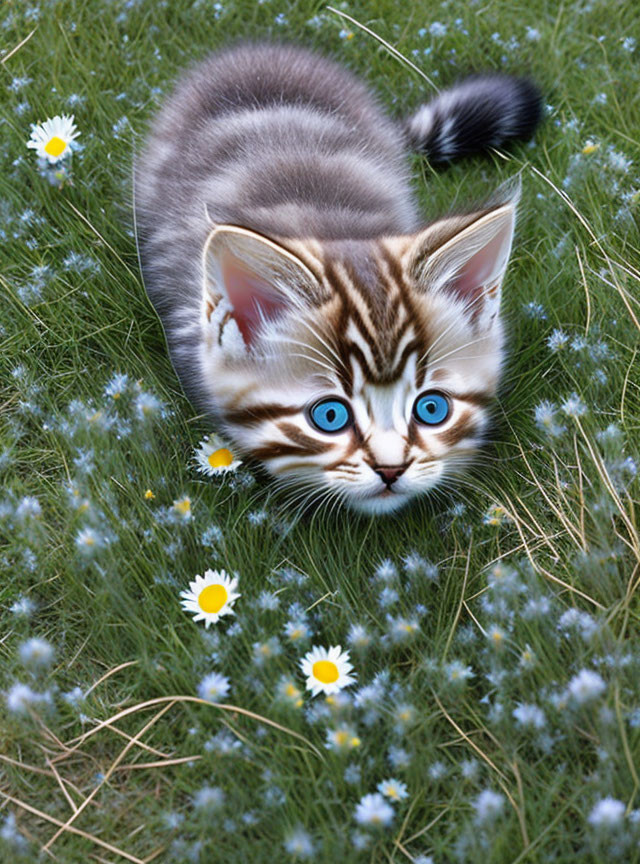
(260,279)
(467,256)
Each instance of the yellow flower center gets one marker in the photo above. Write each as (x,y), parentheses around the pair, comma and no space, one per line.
(325,671)
(292,691)
(212,598)
(221,458)
(590,148)
(149,495)
(55,146)
(341,737)
(183,506)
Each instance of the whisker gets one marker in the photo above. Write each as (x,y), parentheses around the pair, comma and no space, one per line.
(314,360)
(306,345)
(457,322)
(322,341)
(439,359)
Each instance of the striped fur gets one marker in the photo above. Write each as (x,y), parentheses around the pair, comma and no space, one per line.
(282,248)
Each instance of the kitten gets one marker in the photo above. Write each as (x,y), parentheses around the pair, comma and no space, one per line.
(334,337)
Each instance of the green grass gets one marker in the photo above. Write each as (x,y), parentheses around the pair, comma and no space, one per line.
(567,538)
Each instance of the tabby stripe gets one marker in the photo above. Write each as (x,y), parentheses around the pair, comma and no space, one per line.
(353,337)
(275,449)
(411,348)
(480,399)
(393,274)
(462,429)
(358,321)
(413,438)
(358,355)
(290,467)
(344,290)
(259,413)
(298,437)
(340,463)
(399,336)
(363,291)
(393,311)
(345,357)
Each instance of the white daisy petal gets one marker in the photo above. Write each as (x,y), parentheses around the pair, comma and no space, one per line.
(52,139)
(211,596)
(214,458)
(326,670)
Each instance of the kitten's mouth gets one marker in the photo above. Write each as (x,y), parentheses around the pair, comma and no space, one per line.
(380,503)
(388,494)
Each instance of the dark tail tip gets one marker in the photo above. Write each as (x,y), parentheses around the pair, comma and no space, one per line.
(478,113)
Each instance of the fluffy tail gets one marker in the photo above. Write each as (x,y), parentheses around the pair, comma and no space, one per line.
(476,114)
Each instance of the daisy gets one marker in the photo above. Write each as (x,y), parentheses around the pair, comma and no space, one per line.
(297,629)
(289,693)
(488,805)
(210,597)
(213,458)
(496,515)
(327,670)
(394,790)
(586,686)
(182,507)
(299,844)
(607,813)
(373,810)
(342,738)
(52,139)
(213,687)
(209,798)
(36,652)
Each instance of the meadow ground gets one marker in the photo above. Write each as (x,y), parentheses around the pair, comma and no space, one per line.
(493,630)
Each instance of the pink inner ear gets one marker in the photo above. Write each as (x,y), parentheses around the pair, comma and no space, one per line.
(251,296)
(479,271)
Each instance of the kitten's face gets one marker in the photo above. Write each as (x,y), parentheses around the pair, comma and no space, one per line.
(357,372)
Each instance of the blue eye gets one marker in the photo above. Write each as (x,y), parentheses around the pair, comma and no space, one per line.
(330,415)
(431,409)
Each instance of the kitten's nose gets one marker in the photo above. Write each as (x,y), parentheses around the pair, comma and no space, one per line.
(390,473)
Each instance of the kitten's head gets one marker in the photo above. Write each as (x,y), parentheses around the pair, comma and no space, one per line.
(357,370)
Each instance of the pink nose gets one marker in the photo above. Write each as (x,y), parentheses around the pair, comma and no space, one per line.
(390,473)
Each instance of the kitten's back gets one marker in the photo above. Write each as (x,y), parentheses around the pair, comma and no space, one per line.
(279,139)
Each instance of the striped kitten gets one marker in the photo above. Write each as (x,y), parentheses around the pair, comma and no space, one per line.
(350,349)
